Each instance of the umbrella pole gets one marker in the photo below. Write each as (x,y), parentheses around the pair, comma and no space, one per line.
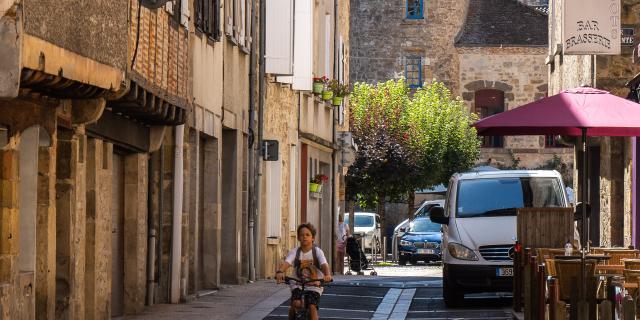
(583,235)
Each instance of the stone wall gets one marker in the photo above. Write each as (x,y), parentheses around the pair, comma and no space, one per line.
(520,73)
(378,49)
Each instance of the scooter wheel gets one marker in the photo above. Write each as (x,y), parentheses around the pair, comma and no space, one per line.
(348,273)
(373,273)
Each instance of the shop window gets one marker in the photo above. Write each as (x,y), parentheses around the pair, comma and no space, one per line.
(413,71)
(489,102)
(415,9)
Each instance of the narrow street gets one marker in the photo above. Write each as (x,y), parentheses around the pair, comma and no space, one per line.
(400,292)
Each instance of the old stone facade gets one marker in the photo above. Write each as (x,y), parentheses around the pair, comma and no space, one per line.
(129,138)
(307,130)
(611,159)
(491,53)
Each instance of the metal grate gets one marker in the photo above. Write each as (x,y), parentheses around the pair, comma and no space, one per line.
(426,245)
(496,253)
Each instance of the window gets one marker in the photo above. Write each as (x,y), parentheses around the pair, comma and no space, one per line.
(489,102)
(414,9)
(413,71)
(551,142)
(238,19)
(207,18)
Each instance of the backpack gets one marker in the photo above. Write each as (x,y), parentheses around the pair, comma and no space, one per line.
(296,261)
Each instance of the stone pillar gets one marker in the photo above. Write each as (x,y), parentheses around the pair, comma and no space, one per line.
(98,247)
(612,191)
(71,224)
(46,235)
(212,219)
(135,232)
(8,232)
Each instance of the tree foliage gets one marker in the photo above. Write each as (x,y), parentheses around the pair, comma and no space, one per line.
(406,142)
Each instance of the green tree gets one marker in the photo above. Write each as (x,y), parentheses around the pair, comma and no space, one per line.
(406,142)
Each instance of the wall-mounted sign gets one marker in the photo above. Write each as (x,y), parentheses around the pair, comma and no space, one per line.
(627,38)
(591,27)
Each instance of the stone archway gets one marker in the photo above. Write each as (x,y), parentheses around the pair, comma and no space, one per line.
(469,90)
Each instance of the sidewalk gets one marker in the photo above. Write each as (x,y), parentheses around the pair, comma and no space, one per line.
(249,301)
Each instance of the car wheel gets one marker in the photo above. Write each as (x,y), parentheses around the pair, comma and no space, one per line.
(402,261)
(453,297)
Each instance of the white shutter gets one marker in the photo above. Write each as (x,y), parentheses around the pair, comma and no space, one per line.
(303,46)
(242,21)
(284,79)
(327,45)
(274,215)
(279,37)
(293,174)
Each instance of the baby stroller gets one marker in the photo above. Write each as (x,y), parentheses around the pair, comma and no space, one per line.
(357,259)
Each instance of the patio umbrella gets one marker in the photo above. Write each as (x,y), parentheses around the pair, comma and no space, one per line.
(584,111)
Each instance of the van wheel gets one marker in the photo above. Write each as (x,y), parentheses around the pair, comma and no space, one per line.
(452,296)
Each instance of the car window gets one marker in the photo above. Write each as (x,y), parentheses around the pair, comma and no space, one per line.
(503,196)
(361,220)
(424,225)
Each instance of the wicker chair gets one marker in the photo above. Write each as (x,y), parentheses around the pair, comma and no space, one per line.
(631,264)
(618,254)
(568,270)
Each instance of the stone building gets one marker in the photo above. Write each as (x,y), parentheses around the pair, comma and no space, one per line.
(489,52)
(612,160)
(306,127)
(123,148)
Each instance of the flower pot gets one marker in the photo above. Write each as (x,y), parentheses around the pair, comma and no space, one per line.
(327,95)
(336,101)
(318,87)
(313,187)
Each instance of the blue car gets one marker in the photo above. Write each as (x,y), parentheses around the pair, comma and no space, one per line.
(421,242)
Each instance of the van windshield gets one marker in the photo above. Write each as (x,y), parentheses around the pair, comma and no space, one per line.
(502,196)
(361,220)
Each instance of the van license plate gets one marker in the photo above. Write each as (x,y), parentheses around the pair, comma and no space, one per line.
(426,251)
(504,272)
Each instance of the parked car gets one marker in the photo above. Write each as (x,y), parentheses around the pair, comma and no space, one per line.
(366,225)
(399,230)
(421,242)
(479,226)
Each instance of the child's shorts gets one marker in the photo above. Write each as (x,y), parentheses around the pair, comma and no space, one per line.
(312,296)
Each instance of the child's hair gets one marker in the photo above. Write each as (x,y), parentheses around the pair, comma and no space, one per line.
(309,226)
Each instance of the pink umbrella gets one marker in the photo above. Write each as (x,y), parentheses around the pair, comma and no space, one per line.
(582,112)
(567,113)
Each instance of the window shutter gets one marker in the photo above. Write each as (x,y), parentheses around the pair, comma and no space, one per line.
(248,24)
(327,45)
(242,21)
(279,37)
(274,215)
(303,46)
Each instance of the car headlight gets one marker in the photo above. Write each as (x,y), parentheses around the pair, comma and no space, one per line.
(406,243)
(461,252)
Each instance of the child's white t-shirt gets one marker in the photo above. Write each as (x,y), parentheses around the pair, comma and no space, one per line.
(309,270)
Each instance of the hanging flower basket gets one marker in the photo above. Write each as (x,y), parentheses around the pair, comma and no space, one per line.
(318,87)
(327,95)
(314,187)
(336,101)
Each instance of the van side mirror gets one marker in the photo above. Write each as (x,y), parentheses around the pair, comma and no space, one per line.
(437,216)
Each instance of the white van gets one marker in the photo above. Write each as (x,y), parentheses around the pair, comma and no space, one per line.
(479,226)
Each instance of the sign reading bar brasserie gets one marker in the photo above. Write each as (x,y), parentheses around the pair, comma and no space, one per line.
(591,27)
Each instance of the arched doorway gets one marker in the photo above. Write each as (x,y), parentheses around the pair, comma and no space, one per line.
(487,103)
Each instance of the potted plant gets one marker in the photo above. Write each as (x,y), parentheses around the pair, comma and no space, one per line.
(340,90)
(319,83)
(327,94)
(315,185)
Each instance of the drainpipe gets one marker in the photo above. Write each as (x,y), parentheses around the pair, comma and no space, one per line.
(253,196)
(334,167)
(161,212)
(261,96)
(176,234)
(151,240)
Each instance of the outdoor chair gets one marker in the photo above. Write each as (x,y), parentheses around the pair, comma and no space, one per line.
(568,274)
(618,254)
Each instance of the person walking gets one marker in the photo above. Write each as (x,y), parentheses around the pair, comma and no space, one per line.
(342,233)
